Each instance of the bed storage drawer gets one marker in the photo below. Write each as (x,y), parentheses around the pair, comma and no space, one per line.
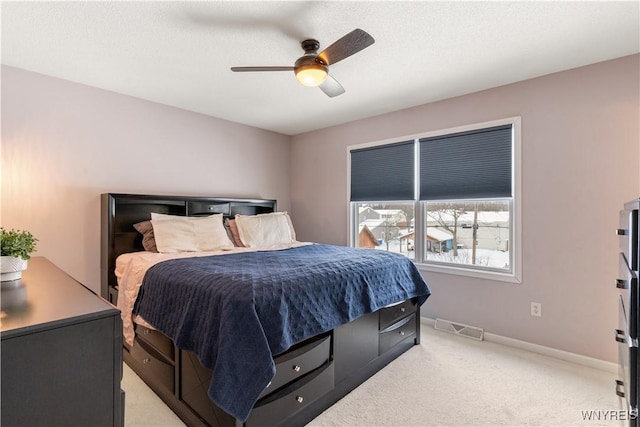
(277,407)
(391,314)
(192,390)
(151,366)
(157,340)
(403,330)
(299,361)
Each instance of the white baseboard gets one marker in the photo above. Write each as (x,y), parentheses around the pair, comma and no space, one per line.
(540,349)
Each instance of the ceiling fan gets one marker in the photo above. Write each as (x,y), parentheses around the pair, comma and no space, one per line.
(312,68)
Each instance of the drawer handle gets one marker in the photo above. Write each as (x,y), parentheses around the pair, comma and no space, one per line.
(299,399)
(621,284)
(402,309)
(296,368)
(621,232)
(145,361)
(401,333)
(620,338)
(619,392)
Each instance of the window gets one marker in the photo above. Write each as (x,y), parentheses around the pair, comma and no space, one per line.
(382,192)
(474,233)
(385,226)
(448,200)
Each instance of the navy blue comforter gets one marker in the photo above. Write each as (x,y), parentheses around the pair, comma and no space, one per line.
(236,311)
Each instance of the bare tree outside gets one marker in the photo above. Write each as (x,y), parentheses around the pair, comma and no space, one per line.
(471,219)
(446,215)
(465,232)
(392,224)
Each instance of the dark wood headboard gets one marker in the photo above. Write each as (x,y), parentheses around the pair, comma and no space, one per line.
(120,211)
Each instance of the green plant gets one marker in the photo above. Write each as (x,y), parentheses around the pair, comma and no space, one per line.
(17,243)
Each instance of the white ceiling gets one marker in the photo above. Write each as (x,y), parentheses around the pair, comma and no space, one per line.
(179,53)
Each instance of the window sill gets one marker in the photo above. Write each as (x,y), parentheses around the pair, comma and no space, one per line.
(458,271)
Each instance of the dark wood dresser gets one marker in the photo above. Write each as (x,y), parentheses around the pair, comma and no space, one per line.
(61,354)
(626,334)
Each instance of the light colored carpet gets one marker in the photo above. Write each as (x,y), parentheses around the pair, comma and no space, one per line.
(448,381)
(142,407)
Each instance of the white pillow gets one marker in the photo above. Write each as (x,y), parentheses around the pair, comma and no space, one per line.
(175,233)
(265,230)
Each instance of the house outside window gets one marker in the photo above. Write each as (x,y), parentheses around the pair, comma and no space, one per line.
(476,233)
(448,200)
(390,230)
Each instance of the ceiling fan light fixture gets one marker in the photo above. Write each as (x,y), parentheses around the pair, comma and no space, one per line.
(310,72)
(311,75)
(312,68)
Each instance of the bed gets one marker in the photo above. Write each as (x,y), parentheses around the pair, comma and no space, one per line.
(231,336)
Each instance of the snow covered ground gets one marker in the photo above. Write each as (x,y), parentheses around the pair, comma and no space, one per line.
(484,257)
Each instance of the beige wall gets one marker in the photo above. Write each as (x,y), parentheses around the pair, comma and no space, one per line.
(63,144)
(580,151)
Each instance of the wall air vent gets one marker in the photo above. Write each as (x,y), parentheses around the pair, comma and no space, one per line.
(459,329)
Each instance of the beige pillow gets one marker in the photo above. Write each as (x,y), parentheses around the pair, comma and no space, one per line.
(265,230)
(175,233)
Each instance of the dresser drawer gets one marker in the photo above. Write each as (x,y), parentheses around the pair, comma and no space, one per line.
(275,408)
(151,366)
(627,283)
(299,361)
(403,330)
(157,340)
(627,383)
(627,386)
(391,314)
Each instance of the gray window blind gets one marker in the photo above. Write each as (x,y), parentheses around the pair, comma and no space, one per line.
(468,165)
(383,172)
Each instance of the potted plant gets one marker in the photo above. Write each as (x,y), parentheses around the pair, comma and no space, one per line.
(16,247)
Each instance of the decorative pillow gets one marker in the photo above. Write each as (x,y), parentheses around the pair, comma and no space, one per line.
(175,233)
(233,228)
(265,230)
(148,239)
(228,230)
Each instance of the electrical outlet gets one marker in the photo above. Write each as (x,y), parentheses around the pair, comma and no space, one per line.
(536,309)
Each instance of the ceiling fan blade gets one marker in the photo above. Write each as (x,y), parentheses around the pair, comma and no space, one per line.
(267,68)
(331,87)
(346,46)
